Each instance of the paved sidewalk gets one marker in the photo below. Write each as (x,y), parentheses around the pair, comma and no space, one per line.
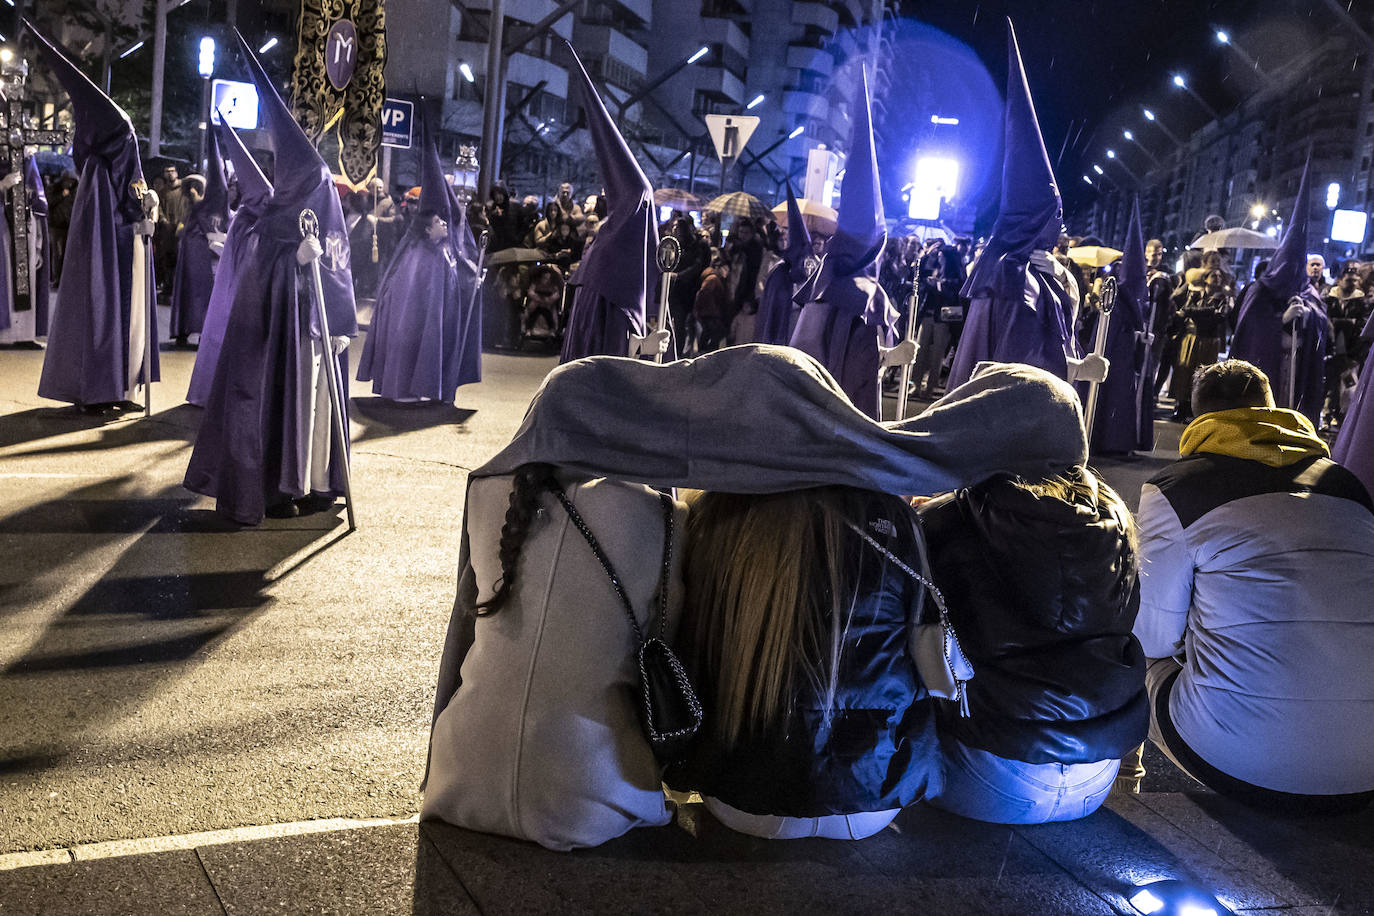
(927,862)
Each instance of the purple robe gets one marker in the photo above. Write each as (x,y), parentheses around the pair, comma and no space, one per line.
(1354,446)
(87,359)
(1122,423)
(40,278)
(251,449)
(842,333)
(1263,339)
(196,262)
(1005,328)
(255,193)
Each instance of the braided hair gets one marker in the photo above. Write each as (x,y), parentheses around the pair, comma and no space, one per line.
(531,482)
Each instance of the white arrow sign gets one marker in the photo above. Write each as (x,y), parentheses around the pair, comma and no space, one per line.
(730,133)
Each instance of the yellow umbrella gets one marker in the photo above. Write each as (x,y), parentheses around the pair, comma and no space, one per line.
(1093,255)
(817,216)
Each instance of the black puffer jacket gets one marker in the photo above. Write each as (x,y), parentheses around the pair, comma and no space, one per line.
(1042,594)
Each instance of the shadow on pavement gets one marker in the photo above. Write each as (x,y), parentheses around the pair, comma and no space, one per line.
(178,424)
(187,581)
(382,418)
(46,422)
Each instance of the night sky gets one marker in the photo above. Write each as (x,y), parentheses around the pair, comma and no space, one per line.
(1093,65)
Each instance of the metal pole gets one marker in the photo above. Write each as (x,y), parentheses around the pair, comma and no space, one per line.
(669,252)
(911,336)
(204,123)
(1099,347)
(159,76)
(309,225)
(1293,360)
(150,333)
(493,102)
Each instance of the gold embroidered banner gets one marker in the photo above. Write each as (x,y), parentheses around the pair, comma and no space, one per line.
(342,43)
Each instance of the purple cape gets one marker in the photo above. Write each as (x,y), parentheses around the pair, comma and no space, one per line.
(774,322)
(196,263)
(1123,423)
(250,449)
(1259,339)
(1007,330)
(845,342)
(255,194)
(1354,446)
(415,346)
(87,359)
(40,286)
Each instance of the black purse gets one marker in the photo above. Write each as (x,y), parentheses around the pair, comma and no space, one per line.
(669,711)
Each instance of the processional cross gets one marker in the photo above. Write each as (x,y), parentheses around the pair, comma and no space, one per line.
(14,136)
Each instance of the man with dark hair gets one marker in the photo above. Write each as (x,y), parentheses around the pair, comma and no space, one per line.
(1257,604)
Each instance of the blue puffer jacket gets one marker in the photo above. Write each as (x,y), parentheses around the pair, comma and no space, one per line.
(876,751)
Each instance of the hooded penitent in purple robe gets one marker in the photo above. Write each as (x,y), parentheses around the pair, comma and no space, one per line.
(618,271)
(1262,337)
(1020,308)
(196,262)
(1354,446)
(25,319)
(422,342)
(1123,422)
(93,328)
(845,313)
(266,437)
(254,193)
(774,322)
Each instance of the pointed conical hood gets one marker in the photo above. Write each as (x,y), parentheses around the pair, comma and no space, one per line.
(298,170)
(1287,273)
(215,204)
(1032,213)
(254,188)
(798,238)
(619,269)
(102,127)
(623,179)
(435,194)
(860,228)
(1132,274)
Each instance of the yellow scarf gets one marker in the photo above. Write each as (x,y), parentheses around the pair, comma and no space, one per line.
(1270,435)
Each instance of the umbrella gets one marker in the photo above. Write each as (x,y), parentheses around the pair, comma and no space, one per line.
(739,204)
(1093,255)
(817,216)
(677,198)
(516,256)
(1234,237)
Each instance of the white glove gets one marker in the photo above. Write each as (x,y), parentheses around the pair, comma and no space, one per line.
(1292,313)
(652,345)
(308,250)
(338,344)
(10,180)
(1091,368)
(904,354)
(150,205)
(1146,338)
(216,240)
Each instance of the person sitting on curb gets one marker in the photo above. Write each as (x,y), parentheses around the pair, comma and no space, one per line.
(1257,604)
(1040,579)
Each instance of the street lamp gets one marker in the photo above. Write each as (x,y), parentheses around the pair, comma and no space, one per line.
(466,70)
(1182,83)
(700,53)
(206,67)
(797,132)
(1111,154)
(268,45)
(1098,169)
(755,102)
(1224,37)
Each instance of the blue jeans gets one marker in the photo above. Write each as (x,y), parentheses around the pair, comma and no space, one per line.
(986,787)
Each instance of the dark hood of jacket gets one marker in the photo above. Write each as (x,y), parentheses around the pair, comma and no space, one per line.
(1043,594)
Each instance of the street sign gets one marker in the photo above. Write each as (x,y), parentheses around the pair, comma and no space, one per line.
(398,123)
(730,133)
(238,102)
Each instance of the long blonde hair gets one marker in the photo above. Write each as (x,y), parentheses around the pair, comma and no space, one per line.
(771,584)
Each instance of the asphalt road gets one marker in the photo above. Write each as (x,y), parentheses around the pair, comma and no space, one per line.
(163,673)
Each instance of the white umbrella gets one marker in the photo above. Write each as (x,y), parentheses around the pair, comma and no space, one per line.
(1235,237)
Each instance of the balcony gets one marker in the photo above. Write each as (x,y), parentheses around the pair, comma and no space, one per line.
(819,15)
(805,104)
(725,32)
(600,41)
(814,60)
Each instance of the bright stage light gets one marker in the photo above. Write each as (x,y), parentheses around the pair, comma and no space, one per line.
(935,181)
